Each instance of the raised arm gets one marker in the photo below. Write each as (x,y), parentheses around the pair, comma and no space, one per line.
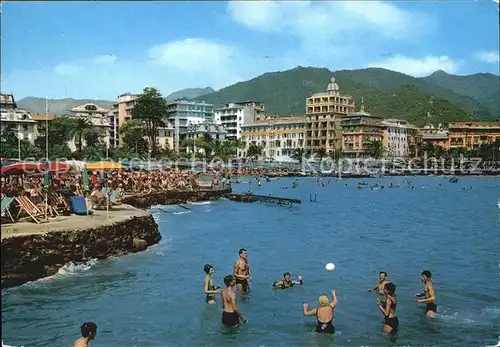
(299,282)
(307,311)
(334,302)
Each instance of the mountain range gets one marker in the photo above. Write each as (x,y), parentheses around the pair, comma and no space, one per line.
(437,98)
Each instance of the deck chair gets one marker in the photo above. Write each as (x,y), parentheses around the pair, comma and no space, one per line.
(6,201)
(26,205)
(98,203)
(78,206)
(56,202)
(114,197)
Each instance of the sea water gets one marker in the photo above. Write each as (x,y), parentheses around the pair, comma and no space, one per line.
(155,298)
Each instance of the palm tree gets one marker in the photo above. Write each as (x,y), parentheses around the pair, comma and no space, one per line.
(81,126)
(254,151)
(299,154)
(374,149)
(320,153)
(225,150)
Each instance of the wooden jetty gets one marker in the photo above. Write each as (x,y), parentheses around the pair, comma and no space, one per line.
(262,198)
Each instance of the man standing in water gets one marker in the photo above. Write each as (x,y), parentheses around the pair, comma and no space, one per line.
(241,272)
(429,294)
(379,287)
(89,331)
(231,316)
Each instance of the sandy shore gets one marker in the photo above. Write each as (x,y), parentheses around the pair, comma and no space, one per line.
(98,219)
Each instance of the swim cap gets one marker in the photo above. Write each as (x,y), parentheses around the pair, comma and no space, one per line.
(323,301)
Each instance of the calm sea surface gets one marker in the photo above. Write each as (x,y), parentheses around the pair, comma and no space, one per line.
(155,298)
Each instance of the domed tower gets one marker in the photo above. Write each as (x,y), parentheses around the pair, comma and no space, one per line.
(333,87)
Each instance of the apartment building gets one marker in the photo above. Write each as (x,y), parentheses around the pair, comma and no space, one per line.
(400,139)
(324,112)
(434,136)
(360,129)
(97,116)
(279,137)
(16,120)
(120,114)
(236,114)
(470,135)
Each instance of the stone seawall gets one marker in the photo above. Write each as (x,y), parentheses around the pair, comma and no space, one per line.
(173,197)
(31,251)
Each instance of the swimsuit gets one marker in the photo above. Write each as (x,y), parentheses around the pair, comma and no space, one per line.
(327,327)
(244,284)
(393,322)
(230,319)
(431,307)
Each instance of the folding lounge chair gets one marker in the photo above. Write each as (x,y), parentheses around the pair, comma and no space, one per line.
(114,197)
(6,201)
(78,205)
(29,207)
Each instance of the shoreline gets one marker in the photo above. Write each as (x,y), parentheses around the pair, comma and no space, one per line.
(33,251)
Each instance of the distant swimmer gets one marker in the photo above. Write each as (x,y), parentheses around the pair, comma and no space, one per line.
(287,281)
(241,272)
(231,316)
(324,313)
(210,289)
(429,294)
(391,321)
(89,331)
(379,287)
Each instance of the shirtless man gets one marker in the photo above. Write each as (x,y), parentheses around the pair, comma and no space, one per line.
(89,331)
(429,294)
(241,272)
(231,316)
(287,281)
(379,287)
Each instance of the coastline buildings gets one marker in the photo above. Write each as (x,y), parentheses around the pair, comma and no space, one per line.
(120,114)
(360,129)
(434,136)
(41,122)
(181,113)
(400,139)
(471,135)
(279,137)
(16,120)
(95,115)
(236,114)
(324,112)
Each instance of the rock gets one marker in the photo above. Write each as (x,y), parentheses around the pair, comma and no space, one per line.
(139,244)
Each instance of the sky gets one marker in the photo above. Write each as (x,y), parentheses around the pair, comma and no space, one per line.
(98,50)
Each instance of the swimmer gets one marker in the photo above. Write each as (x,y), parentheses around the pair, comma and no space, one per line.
(241,272)
(391,321)
(324,313)
(231,316)
(379,287)
(287,281)
(208,286)
(429,294)
(89,331)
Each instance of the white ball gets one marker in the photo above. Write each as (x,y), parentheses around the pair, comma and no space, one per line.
(330,266)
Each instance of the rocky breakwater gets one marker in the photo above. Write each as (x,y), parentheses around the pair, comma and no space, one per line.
(31,251)
(173,197)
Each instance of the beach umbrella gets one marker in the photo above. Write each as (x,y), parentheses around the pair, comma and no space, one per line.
(54,166)
(85,178)
(105,165)
(20,168)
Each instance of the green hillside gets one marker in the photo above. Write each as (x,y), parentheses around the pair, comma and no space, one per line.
(484,87)
(401,96)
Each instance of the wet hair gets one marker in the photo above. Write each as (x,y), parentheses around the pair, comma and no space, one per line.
(383,272)
(88,328)
(287,274)
(391,288)
(427,273)
(242,250)
(228,279)
(207,268)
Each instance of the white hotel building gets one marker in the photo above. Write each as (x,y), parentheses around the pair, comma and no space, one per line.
(16,120)
(235,114)
(398,137)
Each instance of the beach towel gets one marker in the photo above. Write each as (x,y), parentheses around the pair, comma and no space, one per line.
(78,205)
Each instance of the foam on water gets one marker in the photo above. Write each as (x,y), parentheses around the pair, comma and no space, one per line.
(3,345)
(200,203)
(181,212)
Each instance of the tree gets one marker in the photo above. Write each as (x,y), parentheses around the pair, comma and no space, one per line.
(374,149)
(151,109)
(92,137)
(299,154)
(225,150)
(254,151)
(133,134)
(320,153)
(81,126)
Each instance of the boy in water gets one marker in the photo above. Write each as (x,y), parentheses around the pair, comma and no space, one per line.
(89,331)
(287,281)
(429,294)
(241,272)
(231,316)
